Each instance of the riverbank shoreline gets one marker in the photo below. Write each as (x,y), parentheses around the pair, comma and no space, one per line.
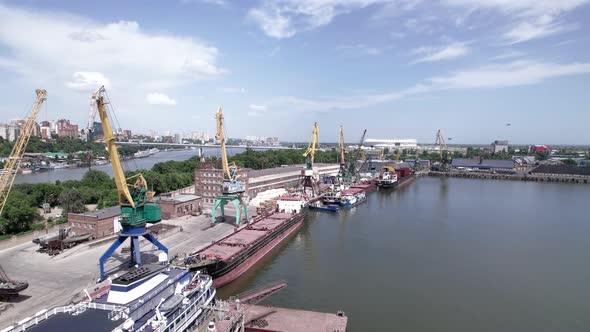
(561,178)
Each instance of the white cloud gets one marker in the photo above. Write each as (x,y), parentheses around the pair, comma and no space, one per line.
(508,55)
(256,110)
(272,21)
(533,29)
(232,90)
(88,81)
(509,74)
(158,98)
(221,3)
(284,18)
(536,18)
(121,51)
(360,49)
(448,52)
(523,7)
(517,73)
(258,107)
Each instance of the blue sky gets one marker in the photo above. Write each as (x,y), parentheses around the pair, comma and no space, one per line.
(399,68)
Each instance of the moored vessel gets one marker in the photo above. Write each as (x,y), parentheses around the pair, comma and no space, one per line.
(353,197)
(152,297)
(324,207)
(230,257)
(387,178)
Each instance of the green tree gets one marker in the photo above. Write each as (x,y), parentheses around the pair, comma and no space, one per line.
(72,201)
(570,161)
(18,214)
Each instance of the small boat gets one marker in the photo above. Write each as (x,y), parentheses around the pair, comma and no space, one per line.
(321,207)
(334,195)
(352,197)
(171,303)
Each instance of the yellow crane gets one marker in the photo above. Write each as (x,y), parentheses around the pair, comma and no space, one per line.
(231,188)
(314,143)
(230,172)
(307,180)
(14,160)
(343,172)
(341,144)
(137,206)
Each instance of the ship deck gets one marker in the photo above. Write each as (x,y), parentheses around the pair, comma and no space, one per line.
(236,242)
(91,320)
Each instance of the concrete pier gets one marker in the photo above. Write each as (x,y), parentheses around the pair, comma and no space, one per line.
(262,318)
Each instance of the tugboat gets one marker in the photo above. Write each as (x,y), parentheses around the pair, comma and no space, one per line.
(388,177)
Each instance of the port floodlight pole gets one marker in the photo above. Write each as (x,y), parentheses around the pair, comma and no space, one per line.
(137,207)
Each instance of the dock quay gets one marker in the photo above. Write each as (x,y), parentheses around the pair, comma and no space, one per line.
(261,318)
(537,177)
(233,316)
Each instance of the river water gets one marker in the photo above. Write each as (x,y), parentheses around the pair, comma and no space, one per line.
(128,165)
(443,254)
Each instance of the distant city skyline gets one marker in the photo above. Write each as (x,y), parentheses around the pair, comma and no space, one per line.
(398,68)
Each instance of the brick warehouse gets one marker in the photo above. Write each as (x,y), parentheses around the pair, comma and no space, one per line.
(180,205)
(208,180)
(100,223)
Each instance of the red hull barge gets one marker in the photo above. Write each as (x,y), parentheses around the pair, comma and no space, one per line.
(230,257)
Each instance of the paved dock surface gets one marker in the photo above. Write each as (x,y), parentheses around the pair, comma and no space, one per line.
(59,280)
(263,318)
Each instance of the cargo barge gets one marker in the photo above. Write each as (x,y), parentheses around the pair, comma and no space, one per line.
(230,257)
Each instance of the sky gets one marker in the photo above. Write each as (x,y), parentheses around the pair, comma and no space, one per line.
(398,68)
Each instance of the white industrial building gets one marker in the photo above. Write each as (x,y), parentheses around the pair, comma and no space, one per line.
(411,143)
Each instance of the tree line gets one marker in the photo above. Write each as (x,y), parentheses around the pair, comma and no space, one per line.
(21,212)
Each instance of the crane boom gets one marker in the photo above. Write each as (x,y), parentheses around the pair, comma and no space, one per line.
(13,163)
(341,143)
(221,138)
(231,185)
(314,143)
(137,206)
(98,105)
(358,154)
(440,140)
